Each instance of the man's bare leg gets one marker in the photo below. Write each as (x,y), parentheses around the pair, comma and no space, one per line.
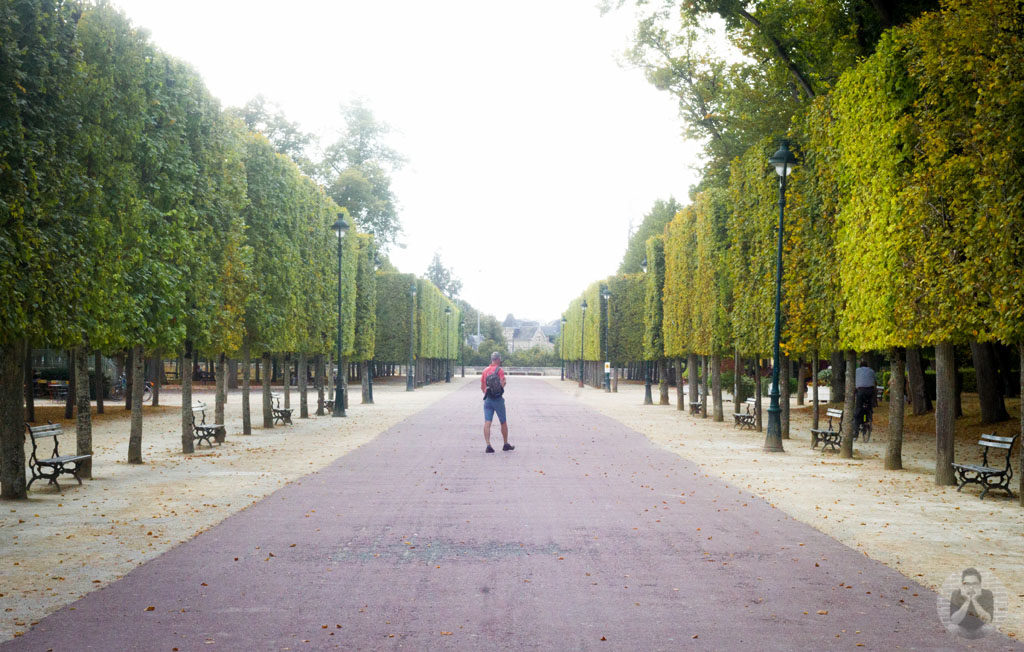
(504,433)
(487,432)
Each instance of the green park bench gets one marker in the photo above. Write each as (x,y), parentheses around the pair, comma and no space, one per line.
(55,465)
(988,476)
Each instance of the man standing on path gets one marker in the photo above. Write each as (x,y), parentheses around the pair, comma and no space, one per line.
(492,384)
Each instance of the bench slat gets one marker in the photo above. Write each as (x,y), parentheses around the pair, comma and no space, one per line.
(993,444)
(988,437)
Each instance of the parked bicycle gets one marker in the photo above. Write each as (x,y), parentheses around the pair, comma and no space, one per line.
(120,388)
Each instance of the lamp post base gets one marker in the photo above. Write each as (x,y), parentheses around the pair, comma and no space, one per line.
(773,435)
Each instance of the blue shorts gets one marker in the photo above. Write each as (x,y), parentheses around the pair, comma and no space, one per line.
(492,406)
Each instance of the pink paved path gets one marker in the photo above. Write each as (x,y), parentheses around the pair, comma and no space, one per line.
(585,537)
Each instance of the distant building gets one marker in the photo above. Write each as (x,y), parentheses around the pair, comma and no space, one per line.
(524,334)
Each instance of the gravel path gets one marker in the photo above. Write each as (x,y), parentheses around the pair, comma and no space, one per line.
(587,536)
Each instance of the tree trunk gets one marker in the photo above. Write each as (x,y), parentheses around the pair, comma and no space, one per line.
(705,387)
(648,399)
(737,382)
(662,382)
(129,376)
(919,399)
(331,378)
(364,377)
(990,394)
(30,387)
(232,374)
(69,398)
(945,419)
(801,382)
(838,378)
(319,382)
(83,426)
(784,373)
(12,427)
(246,372)
(158,376)
(286,384)
(757,395)
(615,379)
(680,393)
(303,386)
(98,380)
(268,415)
(849,403)
(187,365)
(693,366)
(138,382)
(220,396)
(814,390)
(716,387)
(897,406)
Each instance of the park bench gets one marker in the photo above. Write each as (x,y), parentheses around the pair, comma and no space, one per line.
(55,465)
(281,414)
(988,476)
(203,431)
(832,435)
(695,407)
(747,419)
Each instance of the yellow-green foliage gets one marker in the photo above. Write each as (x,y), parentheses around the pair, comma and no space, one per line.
(812,296)
(394,309)
(965,192)
(753,190)
(592,325)
(712,289)
(679,297)
(366,300)
(654,284)
(625,323)
(432,321)
(870,129)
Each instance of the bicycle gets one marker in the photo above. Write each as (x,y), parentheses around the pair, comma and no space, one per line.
(120,388)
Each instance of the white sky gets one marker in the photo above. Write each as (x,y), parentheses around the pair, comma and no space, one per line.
(530,149)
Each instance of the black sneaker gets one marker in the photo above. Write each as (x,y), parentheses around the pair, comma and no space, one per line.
(508,447)
(488,449)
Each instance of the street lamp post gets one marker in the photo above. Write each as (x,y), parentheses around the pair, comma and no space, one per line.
(583,327)
(648,400)
(783,161)
(607,296)
(341,227)
(561,346)
(410,384)
(447,340)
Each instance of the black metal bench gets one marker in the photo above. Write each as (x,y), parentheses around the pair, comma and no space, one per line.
(989,477)
(695,407)
(746,419)
(282,415)
(55,465)
(832,435)
(203,431)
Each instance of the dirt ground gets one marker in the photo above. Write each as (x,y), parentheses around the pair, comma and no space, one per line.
(900,518)
(57,546)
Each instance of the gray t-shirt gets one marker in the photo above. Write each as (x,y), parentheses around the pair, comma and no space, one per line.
(865,377)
